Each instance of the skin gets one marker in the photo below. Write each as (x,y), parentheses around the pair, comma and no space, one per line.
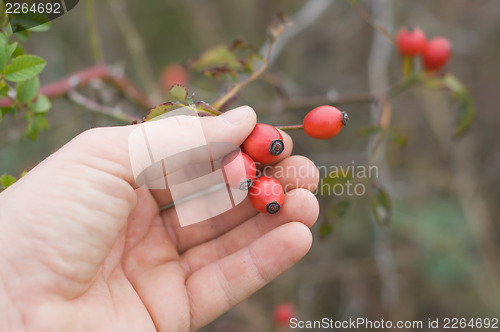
(83,249)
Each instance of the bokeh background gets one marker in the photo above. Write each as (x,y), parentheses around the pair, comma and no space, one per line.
(439,254)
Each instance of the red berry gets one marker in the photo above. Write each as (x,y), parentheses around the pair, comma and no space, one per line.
(173,74)
(411,41)
(239,170)
(436,53)
(266,195)
(282,314)
(324,122)
(264,144)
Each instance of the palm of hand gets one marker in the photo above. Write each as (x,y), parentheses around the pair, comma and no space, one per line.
(104,257)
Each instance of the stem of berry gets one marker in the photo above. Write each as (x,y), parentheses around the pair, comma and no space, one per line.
(292,127)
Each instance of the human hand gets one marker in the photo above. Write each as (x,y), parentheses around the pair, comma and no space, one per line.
(82,248)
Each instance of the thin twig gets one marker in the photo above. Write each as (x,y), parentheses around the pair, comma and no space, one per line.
(368,19)
(135,46)
(95,40)
(85,76)
(93,106)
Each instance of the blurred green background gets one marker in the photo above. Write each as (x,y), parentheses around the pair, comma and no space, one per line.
(438,256)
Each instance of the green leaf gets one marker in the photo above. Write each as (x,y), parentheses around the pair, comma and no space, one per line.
(22,35)
(41,27)
(465,116)
(41,121)
(18,51)
(4,91)
(32,128)
(10,49)
(6,110)
(28,89)
(178,92)
(381,206)
(158,111)
(42,105)
(24,67)
(3,52)
(32,21)
(467,110)
(6,181)
(216,56)
(205,107)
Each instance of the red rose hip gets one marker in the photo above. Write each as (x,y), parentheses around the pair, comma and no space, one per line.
(264,144)
(411,41)
(324,122)
(436,54)
(239,170)
(282,314)
(266,195)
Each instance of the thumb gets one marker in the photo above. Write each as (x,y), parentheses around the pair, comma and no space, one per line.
(162,147)
(129,150)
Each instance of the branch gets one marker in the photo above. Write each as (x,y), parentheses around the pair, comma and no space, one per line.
(93,106)
(83,77)
(135,46)
(363,13)
(305,17)
(95,40)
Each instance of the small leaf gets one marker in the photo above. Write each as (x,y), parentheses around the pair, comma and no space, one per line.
(216,72)
(42,105)
(6,181)
(381,206)
(216,56)
(28,89)
(41,121)
(465,116)
(467,110)
(32,128)
(24,67)
(178,92)
(205,107)
(158,111)
(4,91)
(18,51)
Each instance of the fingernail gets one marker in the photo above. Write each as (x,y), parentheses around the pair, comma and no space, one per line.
(237,115)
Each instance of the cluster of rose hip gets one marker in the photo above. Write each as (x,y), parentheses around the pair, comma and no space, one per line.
(434,52)
(263,146)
